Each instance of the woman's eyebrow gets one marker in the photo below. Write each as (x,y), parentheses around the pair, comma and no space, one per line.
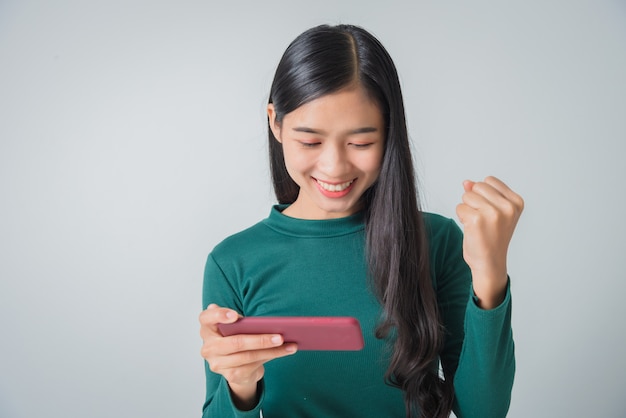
(307,130)
(364,130)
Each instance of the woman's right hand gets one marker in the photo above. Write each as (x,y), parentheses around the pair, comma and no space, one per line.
(239,358)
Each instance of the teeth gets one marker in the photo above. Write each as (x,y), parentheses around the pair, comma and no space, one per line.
(334,187)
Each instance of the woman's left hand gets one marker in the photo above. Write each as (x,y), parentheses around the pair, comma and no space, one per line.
(489,214)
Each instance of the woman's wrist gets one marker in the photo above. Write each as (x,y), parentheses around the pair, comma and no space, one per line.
(490,291)
(245,397)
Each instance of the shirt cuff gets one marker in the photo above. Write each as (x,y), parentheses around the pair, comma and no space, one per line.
(256,411)
(473,305)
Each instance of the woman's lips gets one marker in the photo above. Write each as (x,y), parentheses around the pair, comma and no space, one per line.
(334,190)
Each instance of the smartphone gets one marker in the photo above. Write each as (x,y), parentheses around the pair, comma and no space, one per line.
(309,332)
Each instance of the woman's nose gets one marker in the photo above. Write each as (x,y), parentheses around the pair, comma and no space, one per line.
(333,160)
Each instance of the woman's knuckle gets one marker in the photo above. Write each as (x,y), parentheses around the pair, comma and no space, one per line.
(267,341)
(520,203)
(214,365)
(509,209)
(249,356)
(203,317)
(238,342)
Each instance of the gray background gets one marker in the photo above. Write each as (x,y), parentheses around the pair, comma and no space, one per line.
(132,140)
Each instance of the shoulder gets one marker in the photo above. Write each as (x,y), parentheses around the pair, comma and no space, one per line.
(241,241)
(440,228)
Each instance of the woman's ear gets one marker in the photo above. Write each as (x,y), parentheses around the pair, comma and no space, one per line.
(271,118)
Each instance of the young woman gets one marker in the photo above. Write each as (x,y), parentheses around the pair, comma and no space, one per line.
(347,238)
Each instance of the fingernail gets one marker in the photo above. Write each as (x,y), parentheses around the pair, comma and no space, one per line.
(276,339)
(231,315)
(290,348)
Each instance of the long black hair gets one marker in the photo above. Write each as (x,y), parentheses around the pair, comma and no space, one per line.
(324,60)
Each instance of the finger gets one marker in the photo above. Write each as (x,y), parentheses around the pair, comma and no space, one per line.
(497,184)
(481,199)
(252,357)
(490,203)
(213,315)
(488,191)
(466,214)
(505,190)
(248,342)
(491,199)
(510,204)
(468,185)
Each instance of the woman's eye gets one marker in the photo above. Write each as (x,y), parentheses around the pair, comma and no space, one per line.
(363,145)
(309,144)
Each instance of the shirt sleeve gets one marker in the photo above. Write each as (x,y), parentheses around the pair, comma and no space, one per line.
(218,403)
(479,349)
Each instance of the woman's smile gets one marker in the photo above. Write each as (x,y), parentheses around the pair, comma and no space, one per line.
(333,148)
(334,189)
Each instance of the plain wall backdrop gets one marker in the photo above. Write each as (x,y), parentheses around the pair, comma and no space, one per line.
(133,140)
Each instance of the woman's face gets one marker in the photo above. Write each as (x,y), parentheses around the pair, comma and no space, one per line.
(333,149)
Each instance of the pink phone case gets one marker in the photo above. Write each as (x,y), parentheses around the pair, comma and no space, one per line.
(310,333)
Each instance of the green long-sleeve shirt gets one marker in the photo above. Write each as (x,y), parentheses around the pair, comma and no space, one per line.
(292,267)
